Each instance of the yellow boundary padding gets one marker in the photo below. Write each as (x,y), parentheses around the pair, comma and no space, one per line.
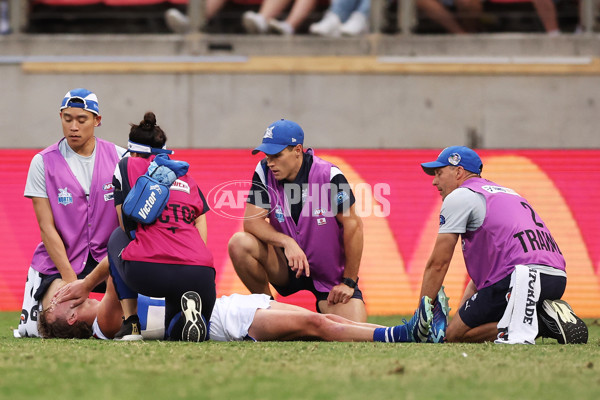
(316,65)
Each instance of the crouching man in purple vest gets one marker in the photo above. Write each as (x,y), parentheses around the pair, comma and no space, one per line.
(516,268)
(70,185)
(301,231)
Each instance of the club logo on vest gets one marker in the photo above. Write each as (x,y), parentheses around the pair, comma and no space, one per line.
(342,197)
(64,197)
(319,212)
(279,214)
(109,196)
(108,186)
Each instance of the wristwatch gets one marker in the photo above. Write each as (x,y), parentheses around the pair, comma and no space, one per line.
(350,282)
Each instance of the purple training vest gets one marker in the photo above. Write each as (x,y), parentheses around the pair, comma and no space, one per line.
(83,225)
(512,233)
(317,233)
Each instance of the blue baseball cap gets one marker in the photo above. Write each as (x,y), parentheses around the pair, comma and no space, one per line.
(456,156)
(83,99)
(279,135)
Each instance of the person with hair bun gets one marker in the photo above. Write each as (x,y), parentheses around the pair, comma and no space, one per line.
(167,258)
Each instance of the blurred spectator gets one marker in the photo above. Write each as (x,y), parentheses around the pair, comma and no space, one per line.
(469,13)
(264,21)
(178,22)
(4,18)
(546,10)
(345,17)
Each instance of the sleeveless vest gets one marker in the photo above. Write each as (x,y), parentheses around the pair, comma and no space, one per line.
(83,224)
(173,238)
(512,233)
(317,233)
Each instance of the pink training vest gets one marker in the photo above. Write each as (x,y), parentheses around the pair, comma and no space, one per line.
(84,225)
(173,238)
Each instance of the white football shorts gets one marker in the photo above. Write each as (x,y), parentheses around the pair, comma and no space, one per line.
(232,316)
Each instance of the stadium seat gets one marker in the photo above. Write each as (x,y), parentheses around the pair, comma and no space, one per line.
(66,3)
(119,3)
(510,1)
(132,3)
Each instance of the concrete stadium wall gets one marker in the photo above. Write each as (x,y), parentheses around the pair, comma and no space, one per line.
(415,103)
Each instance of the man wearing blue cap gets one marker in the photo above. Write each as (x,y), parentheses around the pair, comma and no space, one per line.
(313,239)
(516,268)
(70,185)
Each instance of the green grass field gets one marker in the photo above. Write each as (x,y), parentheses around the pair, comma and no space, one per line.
(94,369)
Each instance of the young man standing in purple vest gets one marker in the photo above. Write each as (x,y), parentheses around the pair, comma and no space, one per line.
(70,185)
(313,238)
(516,268)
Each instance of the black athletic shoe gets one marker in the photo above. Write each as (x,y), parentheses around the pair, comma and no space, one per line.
(194,329)
(558,321)
(130,329)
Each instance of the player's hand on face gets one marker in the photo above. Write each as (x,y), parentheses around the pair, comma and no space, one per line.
(340,293)
(297,259)
(76,291)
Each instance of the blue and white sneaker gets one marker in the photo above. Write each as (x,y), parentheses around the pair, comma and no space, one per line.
(420,324)
(440,319)
(194,329)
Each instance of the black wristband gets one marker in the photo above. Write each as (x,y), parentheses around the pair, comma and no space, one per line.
(350,282)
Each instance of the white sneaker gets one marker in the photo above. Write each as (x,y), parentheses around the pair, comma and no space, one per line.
(4,18)
(177,21)
(356,25)
(4,27)
(254,23)
(329,26)
(280,27)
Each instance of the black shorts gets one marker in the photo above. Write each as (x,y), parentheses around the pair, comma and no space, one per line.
(306,283)
(90,264)
(170,281)
(489,304)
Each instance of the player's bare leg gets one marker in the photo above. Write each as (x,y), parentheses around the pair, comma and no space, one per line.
(282,324)
(459,332)
(354,310)
(256,263)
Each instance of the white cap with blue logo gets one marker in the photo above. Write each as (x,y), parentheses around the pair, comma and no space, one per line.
(81,98)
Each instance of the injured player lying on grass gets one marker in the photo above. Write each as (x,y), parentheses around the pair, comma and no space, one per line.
(234,318)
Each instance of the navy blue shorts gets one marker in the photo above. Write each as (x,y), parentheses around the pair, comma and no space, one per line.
(47,280)
(170,281)
(489,304)
(306,283)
